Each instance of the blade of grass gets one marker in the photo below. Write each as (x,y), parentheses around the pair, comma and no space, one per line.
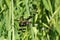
(54,13)
(9,22)
(13,36)
(27,8)
(32,32)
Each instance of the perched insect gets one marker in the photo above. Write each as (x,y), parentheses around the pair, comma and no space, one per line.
(25,21)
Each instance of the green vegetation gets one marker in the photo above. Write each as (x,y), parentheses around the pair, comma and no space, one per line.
(45,25)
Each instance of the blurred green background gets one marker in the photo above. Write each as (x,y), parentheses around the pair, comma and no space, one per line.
(45,25)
